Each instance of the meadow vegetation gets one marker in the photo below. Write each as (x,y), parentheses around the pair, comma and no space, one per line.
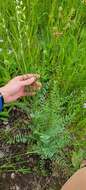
(48,37)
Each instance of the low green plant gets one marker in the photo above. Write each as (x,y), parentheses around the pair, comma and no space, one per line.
(49,125)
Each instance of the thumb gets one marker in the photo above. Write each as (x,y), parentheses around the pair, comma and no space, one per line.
(28,81)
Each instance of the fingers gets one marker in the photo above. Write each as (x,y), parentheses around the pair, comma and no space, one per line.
(31,91)
(28,76)
(33,87)
(36,85)
(29,81)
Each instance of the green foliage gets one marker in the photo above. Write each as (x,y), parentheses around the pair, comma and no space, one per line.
(49,125)
(48,37)
(77,159)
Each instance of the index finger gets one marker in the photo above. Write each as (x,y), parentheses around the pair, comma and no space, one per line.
(28,76)
(28,82)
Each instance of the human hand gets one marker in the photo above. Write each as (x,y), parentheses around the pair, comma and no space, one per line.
(16,88)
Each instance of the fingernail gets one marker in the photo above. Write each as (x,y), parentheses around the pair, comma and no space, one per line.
(33,79)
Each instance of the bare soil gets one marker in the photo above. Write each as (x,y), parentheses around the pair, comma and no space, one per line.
(40,175)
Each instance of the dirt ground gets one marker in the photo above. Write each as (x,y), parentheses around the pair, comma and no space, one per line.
(12,181)
(40,177)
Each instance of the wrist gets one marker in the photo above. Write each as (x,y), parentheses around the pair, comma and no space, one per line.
(3,93)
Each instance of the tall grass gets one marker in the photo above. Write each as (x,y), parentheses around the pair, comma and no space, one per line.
(49,38)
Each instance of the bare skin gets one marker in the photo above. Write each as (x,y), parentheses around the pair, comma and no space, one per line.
(77,181)
(16,88)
